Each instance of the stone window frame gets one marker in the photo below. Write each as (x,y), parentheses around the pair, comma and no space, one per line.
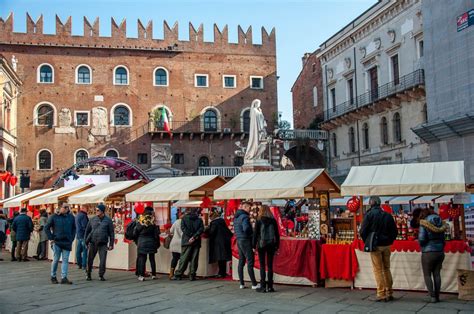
(315,96)
(384,135)
(88,118)
(35,113)
(38,161)
(168,112)
(226,76)
(208,161)
(219,119)
(167,76)
(112,115)
(242,121)
(128,75)
(38,74)
(112,149)
(366,135)
(196,80)
(77,151)
(261,81)
(352,143)
(397,128)
(77,74)
(180,160)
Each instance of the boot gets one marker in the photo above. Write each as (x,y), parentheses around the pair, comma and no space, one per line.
(171,273)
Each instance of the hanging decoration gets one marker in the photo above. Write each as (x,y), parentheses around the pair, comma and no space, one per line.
(139,208)
(13,180)
(353,204)
(314,224)
(206,202)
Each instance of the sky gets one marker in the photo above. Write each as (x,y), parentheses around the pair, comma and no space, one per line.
(301,25)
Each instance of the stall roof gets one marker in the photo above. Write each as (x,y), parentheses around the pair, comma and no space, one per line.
(402,200)
(277,185)
(340,201)
(101,192)
(383,199)
(54,196)
(406,179)
(188,203)
(12,197)
(17,201)
(176,188)
(427,199)
(443,199)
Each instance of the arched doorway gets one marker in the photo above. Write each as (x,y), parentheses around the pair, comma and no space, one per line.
(9,168)
(305,157)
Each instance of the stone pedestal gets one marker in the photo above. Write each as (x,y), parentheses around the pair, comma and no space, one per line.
(64,130)
(259,165)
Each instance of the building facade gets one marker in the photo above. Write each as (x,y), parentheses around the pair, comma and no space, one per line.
(449,64)
(373,88)
(10,85)
(90,95)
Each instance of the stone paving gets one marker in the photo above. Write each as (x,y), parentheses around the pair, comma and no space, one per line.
(25,288)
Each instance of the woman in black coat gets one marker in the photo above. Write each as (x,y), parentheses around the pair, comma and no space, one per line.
(148,242)
(219,243)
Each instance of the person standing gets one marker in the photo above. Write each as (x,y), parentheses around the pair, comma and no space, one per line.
(13,237)
(267,241)
(431,239)
(43,237)
(81,249)
(380,222)
(23,227)
(192,227)
(99,238)
(220,236)
(3,232)
(175,245)
(244,234)
(61,230)
(147,234)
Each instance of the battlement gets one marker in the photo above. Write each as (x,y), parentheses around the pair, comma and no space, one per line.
(91,38)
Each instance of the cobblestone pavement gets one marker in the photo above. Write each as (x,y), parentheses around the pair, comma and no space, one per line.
(25,288)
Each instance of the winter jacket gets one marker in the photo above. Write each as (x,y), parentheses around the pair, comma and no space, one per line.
(262,235)
(61,229)
(192,227)
(382,223)
(175,245)
(81,224)
(147,235)
(42,232)
(100,231)
(23,226)
(431,235)
(3,231)
(242,226)
(219,241)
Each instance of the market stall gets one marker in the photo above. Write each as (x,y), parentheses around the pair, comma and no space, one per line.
(190,191)
(428,180)
(298,259)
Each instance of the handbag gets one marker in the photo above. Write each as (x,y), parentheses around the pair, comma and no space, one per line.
(167,241)
(370,244)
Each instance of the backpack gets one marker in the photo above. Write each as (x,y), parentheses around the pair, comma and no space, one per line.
(267,234)
(129,231)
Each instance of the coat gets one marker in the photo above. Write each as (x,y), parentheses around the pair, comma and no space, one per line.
(42,233)
(242,227)
(23,227)
(431,235)
(81,224)
(219,241)
(262,235)
(175,245)
(100,231)
(61,229)
(148,238)
(382,224)
(192,227)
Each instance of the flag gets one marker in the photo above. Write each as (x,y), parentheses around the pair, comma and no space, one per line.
(164,119)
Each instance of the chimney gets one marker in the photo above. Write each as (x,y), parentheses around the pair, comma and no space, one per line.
(305,58)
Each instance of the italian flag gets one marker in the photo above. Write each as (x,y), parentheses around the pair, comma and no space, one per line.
(164,118)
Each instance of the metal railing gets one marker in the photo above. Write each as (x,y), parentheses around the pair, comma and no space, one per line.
(392,88)
(303,134)
(228,172)
(196,126)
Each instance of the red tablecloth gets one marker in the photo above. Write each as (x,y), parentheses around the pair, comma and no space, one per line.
(295,258)
(338,261)
(453,246)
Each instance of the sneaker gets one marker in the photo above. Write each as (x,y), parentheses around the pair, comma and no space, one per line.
(192,277)
(242,287)
(153,277)
(101,278)
(141,278)
(54,280)
(256,287)
(66,281)
(176,277)
(261,290)
(433,300)
(270,290)
(88,277)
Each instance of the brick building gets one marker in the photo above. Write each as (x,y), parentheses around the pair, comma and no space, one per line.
(90,95)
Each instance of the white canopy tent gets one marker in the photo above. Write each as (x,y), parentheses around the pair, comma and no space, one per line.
(185,204)
(12,197)
(406,179)
(277,185)
(104,192)
(443,199)
(18,201)
(54,197)
(427,199)
(402,200)
(340,201)
(382,198)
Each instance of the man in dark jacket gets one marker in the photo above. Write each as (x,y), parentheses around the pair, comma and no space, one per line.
(13,236)
(81,249)
(244,234)
(192,227)
(60,230)
(99,237)
(382,223)
(23,227)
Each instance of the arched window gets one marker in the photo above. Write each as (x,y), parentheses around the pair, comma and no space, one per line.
(210,121)
(45,160)
(83,75)
(81,155)
(203,161)
(46,74)
(365,133)
(112,153)
(121,115)
(384,130)
(397,128)
(334,144)
(246,121)
(45,115)
(238,161)
(160,119)
(161,77)
(352,147)
(121,76)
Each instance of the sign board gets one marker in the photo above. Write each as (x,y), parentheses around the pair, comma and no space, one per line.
(462,198)
(465,20)
(86,179)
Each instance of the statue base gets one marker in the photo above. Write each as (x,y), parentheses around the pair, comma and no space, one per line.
(259,165)
(64,130)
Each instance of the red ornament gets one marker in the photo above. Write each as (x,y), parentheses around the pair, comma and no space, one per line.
(4,175)
(13,180)
(443,211)
(353,204)
(149,204)
(7,177)
(206,202)
(139,207)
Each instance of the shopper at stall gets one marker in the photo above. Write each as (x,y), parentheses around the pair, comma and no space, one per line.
(175,245)
(431,238)
(192,227)
(13,237)
(147,234)
(61,230)
(219,243)
(244,234)
(3,232)
(267,240)
(99,238)
(385,230)
(43,237)
(81,249)
(23,227)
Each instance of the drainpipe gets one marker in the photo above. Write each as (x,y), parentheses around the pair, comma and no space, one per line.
(328,153)
(355,96)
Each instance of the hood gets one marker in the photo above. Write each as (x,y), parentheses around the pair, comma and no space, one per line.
(433,223)
(240,212)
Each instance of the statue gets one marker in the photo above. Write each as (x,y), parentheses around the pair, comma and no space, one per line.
(257,135)
(161,154)
(99,121)
(14,63)
(65,118)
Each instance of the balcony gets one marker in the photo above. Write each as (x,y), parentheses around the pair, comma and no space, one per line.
(394,88)
(196,126)
(303,135)
(227,172)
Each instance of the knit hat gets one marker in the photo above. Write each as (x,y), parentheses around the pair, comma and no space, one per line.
(101,207)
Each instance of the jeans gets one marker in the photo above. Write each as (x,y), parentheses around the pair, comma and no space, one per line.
(175,259)
(81,253)
(22,250)
(246,255)
(265,256)
(431,262)
(383,276)
(58,252)
(141,264)
(189,255)
(102,250)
